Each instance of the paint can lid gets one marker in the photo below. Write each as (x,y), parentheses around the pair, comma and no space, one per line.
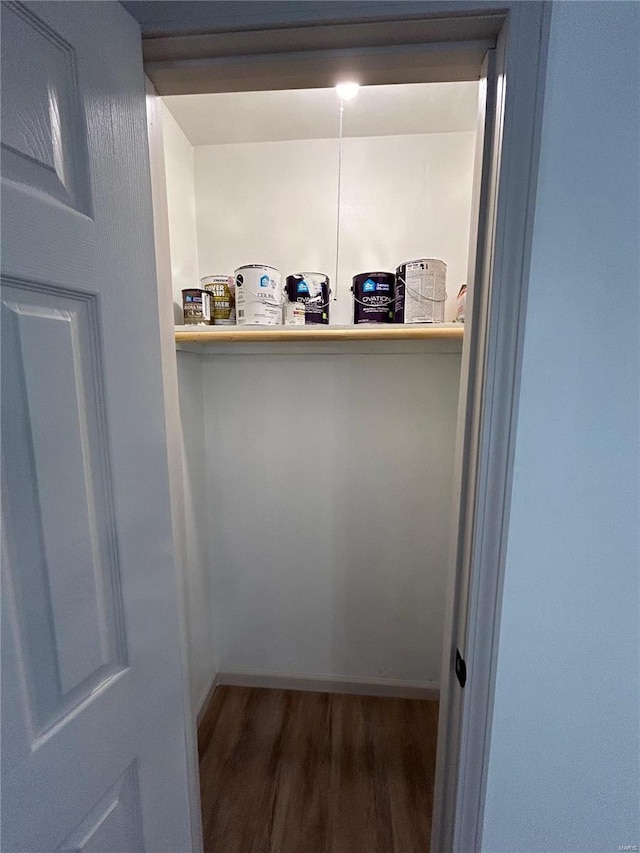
(216,279)
(257,267)
(422,261)
(371,274)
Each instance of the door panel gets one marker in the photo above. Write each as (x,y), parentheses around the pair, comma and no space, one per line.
(44,140)
(93,739)
(68,577)
(114,824)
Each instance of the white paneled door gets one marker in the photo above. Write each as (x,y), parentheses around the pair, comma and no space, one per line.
(93,725)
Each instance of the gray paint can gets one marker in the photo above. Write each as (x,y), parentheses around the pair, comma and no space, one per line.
(421,291)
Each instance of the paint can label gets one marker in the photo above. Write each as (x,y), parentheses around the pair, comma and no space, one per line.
(421,291)
(258,296)
(294,314)
(312,290)
(373,295)
(221,289)
(196,306)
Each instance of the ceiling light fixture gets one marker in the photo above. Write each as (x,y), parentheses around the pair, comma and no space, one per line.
(347,91)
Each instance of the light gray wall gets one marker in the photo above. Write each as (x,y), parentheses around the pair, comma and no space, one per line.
(403,197)
(329,493)
(181,208)
(199,583)
(181,212)
(564,759)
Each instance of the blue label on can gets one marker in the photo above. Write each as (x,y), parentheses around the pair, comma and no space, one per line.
(303,287)
(369,286)
(264,281)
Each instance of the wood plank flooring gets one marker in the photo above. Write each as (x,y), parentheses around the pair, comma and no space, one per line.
(284,771)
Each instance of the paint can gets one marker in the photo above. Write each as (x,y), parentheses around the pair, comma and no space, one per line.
(196,306)
(461,304)
(421,291)
(258,295)
(313,291)
(222,290)
(294,314)
(373,296)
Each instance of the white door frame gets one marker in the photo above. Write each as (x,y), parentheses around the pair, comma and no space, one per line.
(174,433)
(486,442)
(505,198)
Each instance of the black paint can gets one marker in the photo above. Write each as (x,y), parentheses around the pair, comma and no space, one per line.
(373,297)
(312,289)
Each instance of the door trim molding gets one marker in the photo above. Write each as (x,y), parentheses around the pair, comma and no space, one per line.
(499,304)
(425,62)
(173,434)
(324,36)
(445,42)
(445,46)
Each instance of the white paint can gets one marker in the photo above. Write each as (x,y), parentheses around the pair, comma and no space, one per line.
(421,291)
(258,295)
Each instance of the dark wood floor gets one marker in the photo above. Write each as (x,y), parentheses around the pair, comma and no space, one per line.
(284,771)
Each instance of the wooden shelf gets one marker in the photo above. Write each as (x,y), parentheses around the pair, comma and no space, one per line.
(268,334)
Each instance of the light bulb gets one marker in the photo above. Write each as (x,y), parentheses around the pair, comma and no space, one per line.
(347,91)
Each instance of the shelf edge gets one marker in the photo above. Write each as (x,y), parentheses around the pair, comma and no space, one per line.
(299,334)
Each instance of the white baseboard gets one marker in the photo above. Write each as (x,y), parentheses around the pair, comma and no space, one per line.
(203,702)
(332,684)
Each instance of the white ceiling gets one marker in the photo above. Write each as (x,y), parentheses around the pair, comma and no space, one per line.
(313,113)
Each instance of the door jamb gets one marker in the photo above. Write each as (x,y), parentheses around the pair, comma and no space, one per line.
(174,435)
(495,344)
(465,472)
(493,348)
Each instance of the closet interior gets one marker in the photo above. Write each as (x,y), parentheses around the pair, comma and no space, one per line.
(319,458)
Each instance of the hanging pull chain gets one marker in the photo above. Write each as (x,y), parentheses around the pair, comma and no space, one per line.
(340,125)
